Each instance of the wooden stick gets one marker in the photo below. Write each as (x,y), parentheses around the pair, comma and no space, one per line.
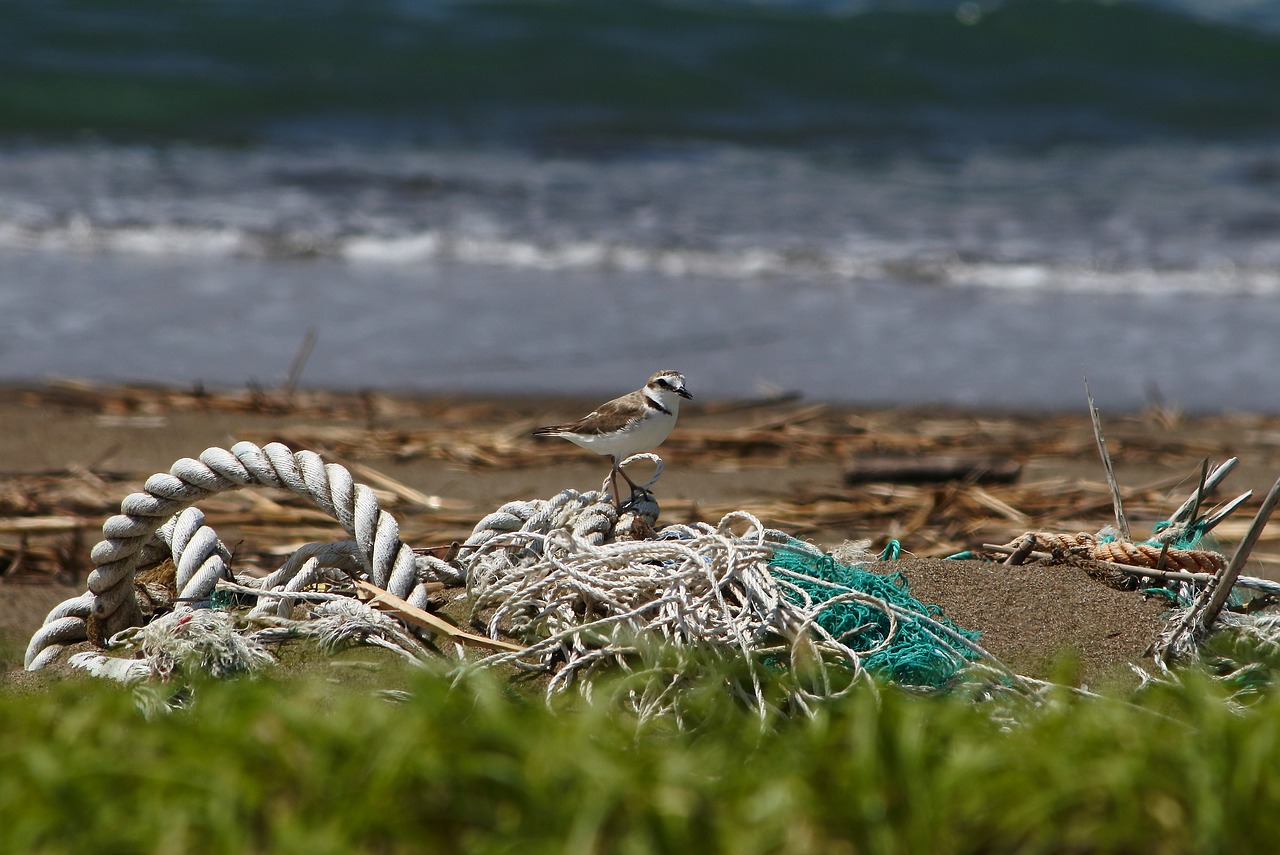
(388,602)
(42,525)
(1226,579)
(1010,550)
(1164,557)
(1208,481)
(1199,496)
(401,489)
(1122,523)
(1211,521)
(1023,550)
(1192,512)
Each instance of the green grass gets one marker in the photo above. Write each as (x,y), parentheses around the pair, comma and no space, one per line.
(309,766)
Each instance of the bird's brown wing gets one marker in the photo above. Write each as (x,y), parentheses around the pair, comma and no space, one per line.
(606,418)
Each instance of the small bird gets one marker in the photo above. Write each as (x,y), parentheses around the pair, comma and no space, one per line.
(638,421)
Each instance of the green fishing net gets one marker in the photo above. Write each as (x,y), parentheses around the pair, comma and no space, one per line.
(917,654)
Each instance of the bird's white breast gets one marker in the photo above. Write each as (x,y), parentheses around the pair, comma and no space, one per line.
(643,435)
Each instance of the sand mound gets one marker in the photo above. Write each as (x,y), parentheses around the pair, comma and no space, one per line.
(1029,615)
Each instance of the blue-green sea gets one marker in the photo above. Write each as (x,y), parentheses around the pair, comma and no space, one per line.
(965,203)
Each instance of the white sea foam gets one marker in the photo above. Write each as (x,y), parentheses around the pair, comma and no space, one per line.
(1132,219)
(582,256)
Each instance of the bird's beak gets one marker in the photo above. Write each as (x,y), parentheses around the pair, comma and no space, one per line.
(684,393)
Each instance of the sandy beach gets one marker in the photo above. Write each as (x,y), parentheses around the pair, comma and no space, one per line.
(937,481)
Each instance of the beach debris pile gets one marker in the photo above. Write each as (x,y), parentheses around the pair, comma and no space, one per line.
(575,586)
(570,587)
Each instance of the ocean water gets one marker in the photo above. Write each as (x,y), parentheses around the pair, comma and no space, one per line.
(969,203)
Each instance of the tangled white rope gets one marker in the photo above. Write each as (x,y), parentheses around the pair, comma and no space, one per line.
(161,519)
(581,606)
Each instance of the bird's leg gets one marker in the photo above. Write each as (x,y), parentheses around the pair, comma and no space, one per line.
(632,484)
(635,488)
(614,472)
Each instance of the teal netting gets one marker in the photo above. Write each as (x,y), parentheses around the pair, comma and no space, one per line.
(1167,594)
(917,654)
(1190,537)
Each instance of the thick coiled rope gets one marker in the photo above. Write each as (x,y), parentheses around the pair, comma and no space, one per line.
(1139,554)
(591,516)
(160,519)
(1148,555)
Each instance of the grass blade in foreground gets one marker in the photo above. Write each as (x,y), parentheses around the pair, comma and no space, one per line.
(261,766)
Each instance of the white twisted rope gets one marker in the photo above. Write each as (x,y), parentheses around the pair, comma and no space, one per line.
(199,558)
(307,565)
(589,516)
(583,606)
(161,519)
(179,644)
(592,516)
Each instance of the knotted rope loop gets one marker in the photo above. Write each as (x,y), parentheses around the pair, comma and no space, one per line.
(1134,554)
(647,486)
(161,519)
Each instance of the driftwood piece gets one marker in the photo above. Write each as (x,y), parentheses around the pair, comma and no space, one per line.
(1022,551)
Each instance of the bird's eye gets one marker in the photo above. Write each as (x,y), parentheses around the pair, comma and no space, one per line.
(664,383)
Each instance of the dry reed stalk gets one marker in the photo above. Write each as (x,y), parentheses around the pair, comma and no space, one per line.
(1226,578)
(388,602)
(1122,523)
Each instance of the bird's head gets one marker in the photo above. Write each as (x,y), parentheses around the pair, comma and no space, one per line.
(667,386)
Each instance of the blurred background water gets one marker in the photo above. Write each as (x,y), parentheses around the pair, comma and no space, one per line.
(878,202)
